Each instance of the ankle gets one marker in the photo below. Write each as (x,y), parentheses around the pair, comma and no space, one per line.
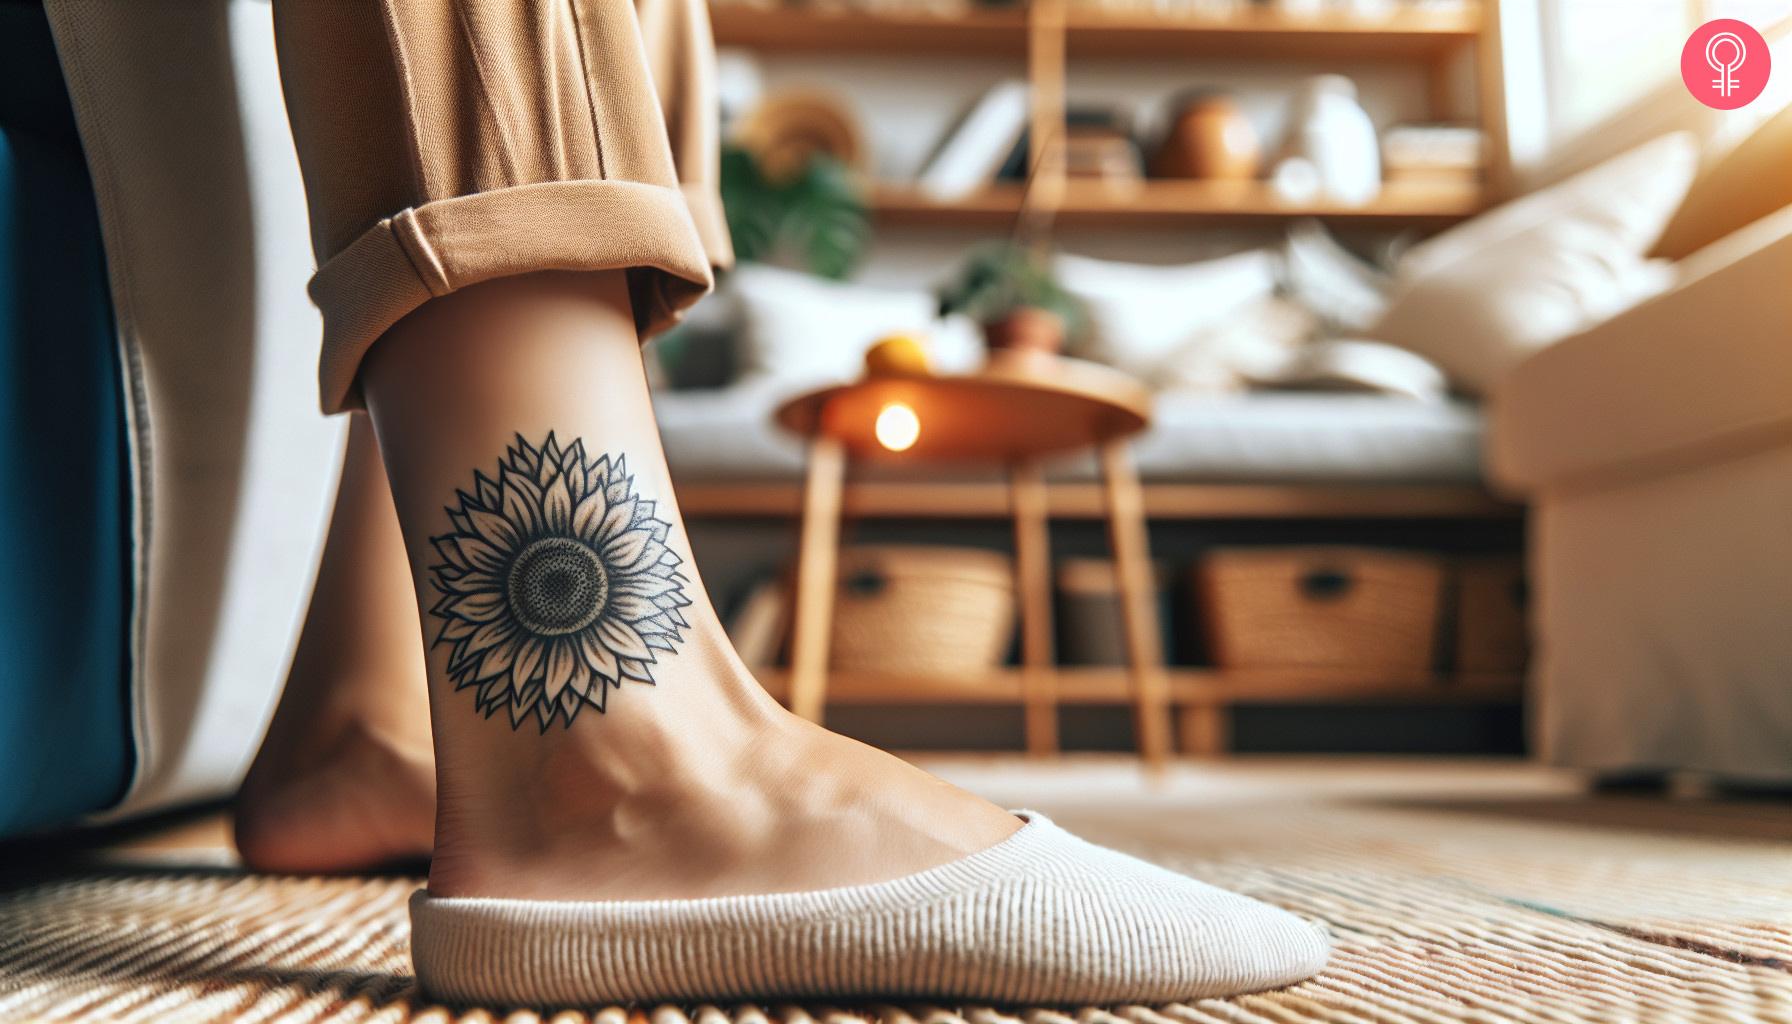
(690,740)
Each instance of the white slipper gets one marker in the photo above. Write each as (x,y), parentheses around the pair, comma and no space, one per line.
(1041,917)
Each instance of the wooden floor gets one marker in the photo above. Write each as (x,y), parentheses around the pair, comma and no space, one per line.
(1454,891)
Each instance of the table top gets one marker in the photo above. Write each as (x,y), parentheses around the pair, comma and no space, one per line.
(1014,408)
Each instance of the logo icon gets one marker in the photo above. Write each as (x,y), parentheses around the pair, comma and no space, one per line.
(1725,64)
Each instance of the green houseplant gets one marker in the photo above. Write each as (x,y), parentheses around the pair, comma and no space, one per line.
(812,219)
(1011,292)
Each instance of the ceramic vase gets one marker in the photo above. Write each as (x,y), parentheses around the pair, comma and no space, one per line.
(1209,138)
(1328,128)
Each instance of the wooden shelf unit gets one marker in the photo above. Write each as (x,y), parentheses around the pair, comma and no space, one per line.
(1155,201)
(1199,687)
(1252,33)
(874,499)
(1198,697)
(1047,33)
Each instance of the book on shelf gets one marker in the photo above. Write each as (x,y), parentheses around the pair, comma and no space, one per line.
(1432,147)
(974,148)
(1078,122)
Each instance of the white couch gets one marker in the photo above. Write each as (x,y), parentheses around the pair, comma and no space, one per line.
(1656,453)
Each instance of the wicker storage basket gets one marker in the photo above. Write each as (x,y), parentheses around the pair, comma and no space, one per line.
(1490,615)
(923,611)
(1321,606)
(1089,611)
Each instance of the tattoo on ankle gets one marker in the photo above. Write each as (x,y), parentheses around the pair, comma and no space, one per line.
(556,583)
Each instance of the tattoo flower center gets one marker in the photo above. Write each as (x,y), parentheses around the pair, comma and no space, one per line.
(557,584)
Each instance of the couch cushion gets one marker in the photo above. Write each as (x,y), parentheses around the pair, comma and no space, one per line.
(1699,374)
(728,434)
(1742,186)
(1482,296)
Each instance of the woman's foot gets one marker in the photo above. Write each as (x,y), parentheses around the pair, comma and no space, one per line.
(348,796)
(709,792)
(345,778)
(597,738)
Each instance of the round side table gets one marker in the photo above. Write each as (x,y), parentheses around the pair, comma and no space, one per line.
(1014,413)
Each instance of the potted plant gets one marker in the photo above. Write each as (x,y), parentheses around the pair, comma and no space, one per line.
(811,216)
(1011,292)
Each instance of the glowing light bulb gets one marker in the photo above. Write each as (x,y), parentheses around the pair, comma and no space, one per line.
(897,427)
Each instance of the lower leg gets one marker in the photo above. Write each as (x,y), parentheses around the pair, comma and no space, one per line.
(344,780)
(548,597)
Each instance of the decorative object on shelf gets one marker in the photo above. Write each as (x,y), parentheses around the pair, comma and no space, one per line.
(1330,129)
(815,219)
(1364,9)
(1014,295)
(972,151)
(1168,8)
(1295,181)
(788,131)
(1431,154)
(740,84)
(1103,154)
(1080,122)
(1209,138)
(1320,607)
(927,612)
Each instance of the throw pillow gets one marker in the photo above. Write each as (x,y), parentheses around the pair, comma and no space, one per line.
(800,331)
(1139,316)
(1347,294)
(1747,183)
(1255,342)
(1482,296)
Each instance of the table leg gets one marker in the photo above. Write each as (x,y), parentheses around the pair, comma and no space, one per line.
(817,557)
(1033,586)
(1138,602)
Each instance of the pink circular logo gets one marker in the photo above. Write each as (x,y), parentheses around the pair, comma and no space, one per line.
(1725,64)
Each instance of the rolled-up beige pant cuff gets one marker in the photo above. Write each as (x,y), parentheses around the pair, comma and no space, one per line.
(705,205)
(431,250)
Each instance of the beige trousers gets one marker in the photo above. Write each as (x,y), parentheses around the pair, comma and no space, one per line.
(449,142)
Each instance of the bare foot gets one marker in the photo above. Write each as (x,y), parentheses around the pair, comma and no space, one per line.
(357,797)
(345,779)
(727,800)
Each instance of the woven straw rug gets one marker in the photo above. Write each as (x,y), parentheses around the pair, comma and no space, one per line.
(1471,895)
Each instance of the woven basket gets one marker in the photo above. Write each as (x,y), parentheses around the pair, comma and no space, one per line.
(923,611)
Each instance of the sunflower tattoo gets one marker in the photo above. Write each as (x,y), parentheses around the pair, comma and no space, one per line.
(556,584)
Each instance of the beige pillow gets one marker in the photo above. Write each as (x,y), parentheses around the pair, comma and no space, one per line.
(1747,183)
(1482,296)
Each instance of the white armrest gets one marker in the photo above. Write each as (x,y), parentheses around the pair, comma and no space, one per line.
(1699,373)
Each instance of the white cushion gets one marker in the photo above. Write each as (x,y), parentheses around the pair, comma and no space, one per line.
(1480,297)
(1142,318)
(802,331)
